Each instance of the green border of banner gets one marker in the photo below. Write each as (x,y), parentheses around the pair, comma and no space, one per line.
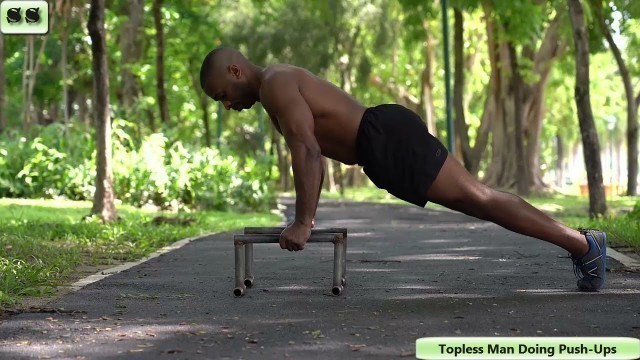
(583,348)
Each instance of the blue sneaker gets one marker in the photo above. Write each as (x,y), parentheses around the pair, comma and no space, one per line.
(591,269)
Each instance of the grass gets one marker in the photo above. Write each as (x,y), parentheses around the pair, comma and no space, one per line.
(42,242)
(622,228)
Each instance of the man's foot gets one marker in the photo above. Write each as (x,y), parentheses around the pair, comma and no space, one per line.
(591,268)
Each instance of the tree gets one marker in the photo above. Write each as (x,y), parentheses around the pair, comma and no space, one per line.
(418,22)
(519,24)
(3,81)
(591,145)
(522,181)
(162,97)
(470,156)
(203,101)
(65,11)
(104,197)
(131,45)
(632,104)
(346,39)
(31,71)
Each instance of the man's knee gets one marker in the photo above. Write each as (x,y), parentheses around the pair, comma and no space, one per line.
(470,200)
(478,200)
(477,195)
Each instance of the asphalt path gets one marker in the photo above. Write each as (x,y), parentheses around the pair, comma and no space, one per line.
(411,273)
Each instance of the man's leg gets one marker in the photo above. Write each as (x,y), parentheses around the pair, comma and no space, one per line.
(456,189)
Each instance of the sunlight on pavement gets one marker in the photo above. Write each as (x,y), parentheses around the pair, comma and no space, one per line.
(571,292)
(551,207)
(439,296)
(101,339)
(373,270)
(296,288)
(420,257)
(439,241)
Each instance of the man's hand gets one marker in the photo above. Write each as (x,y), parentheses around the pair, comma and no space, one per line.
(295,236)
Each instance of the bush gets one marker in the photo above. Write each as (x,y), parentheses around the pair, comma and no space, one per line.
(157,171)
(43,172)
(635,213)
(13,156)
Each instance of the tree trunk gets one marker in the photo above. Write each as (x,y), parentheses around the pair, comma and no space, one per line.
(339,178)
(332,176)
(632,108)
(348,46)
(205,122)
(503,170)
(559,161)
(204,104)
(65,86)
(470,157)
(522,180)
(26,71)
(551,48)
(150,114)
(350,176)
(462,136)
(82,109)
(3,115)
(66,8)
(34,67)
(591,145)
(426,99)
(104,197)
(131,53)
(34,64)
(162,97)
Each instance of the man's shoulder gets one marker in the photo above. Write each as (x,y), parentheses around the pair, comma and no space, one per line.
(277,74)
(278,82)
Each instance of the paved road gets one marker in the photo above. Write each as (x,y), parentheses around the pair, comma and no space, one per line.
(411,273)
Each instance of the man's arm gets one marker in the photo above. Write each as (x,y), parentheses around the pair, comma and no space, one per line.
(281,95)
(323,165)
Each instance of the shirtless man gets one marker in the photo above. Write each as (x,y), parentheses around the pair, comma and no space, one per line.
(392,144)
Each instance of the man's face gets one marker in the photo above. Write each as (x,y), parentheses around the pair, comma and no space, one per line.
(230,87)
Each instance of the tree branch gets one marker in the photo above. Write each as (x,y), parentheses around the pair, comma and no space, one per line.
(550,47)
(399,93)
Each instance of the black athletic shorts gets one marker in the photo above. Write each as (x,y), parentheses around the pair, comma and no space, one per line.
(397,152)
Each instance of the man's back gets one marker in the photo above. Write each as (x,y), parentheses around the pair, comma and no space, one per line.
(336,114)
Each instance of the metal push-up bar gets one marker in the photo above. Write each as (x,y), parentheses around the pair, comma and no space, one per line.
(267,235)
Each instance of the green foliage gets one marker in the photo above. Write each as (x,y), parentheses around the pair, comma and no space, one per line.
(289,31)
(523,20)
(635,213)
(157,172)
(162,163)
(416,12)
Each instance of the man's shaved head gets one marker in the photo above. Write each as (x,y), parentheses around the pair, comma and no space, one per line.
(227,76)
(216,61)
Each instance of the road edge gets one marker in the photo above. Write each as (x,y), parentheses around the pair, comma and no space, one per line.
(128,265)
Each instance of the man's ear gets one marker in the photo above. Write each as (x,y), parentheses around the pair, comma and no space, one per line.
(235,71)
